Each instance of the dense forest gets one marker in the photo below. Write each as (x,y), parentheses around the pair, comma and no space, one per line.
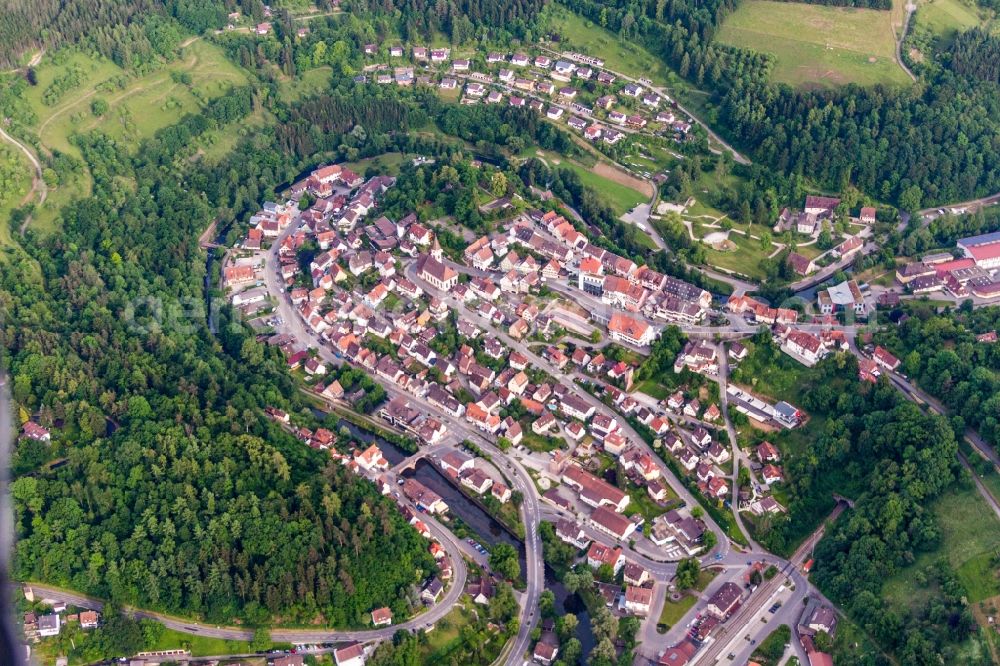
(460,20)
(893,460)
(115,27)
(105,338)
(940,352)
(976,53)
(108,24)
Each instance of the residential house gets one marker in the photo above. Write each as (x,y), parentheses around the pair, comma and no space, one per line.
(638,599)
(599,554)
(352,654)
(724,600)
(382,617)
(612,523)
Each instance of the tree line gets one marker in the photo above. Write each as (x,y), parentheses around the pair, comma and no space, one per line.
(940,352)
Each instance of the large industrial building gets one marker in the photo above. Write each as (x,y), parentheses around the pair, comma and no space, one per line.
(983,249)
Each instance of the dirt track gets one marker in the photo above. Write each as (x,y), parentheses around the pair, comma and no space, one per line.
(605,170)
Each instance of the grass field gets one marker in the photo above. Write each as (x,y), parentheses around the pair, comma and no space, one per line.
(386,162)
(744,257)
(200,646)
(776,377)
(945,17)
(309,81)
(620,197)
(138,107)
(653,388)
(818,46)
(581,34)
(970,539)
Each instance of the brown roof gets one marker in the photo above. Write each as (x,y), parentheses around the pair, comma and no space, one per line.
(381,615)
(350,651)
(726,597)
(638,595)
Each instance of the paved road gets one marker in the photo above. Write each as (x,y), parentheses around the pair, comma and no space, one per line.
(739,286)
(737,452)
(421,621)
(37,182)
(826,272)
(459,429)
(928,214)
(910,8)
(662,92)
(745,619)
(538,362)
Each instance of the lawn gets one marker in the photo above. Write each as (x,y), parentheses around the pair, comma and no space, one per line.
(200,646)
(446,635)
(705,576)
(743,255)
(386,162)
(818,46)
(672,613)
(620,197)
(641,502)
(540,444)
(653,388)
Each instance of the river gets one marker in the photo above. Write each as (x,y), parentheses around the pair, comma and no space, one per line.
(488,531)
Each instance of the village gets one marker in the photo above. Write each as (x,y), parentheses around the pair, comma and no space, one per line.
(470,348)
(572,88)
(529,342)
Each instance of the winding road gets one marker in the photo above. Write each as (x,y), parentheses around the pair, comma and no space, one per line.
(37,182)
(662,92)
(421,621)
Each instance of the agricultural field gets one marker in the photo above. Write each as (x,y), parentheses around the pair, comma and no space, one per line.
(818,46)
